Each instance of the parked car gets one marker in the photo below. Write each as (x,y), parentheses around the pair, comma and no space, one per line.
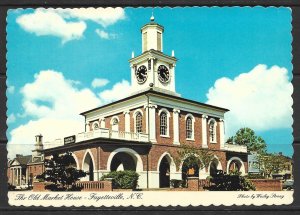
(288,185)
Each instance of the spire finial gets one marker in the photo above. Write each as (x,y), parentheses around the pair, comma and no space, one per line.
(152,17)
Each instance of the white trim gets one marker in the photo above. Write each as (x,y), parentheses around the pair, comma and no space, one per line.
(215,130)
(131,152)
(95,123)
(193,127)
(170,160)
(113,118)
(102,122)
(168,121)
(84,156)
(136,112)
(134,118)
(242,169)
(219,165)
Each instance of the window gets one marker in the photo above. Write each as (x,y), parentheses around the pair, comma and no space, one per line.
(115,124)
(95,125)
(212,130)
(163,124)
(138,122)
(189,128)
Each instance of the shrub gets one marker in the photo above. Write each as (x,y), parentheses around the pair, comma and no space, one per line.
(230,182)
(127,179)
(11,187)
(175,183)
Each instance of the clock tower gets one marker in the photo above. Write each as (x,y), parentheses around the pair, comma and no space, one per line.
(153,69)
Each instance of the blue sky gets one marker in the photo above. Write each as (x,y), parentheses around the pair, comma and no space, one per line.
(214,47)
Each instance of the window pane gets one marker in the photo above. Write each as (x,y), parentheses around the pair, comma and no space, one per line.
(138,122)
(189,129)
(163,124)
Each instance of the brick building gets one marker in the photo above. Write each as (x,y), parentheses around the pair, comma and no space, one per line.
(22,170)
(143,131)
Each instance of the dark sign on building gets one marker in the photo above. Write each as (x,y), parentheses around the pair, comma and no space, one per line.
(70,139)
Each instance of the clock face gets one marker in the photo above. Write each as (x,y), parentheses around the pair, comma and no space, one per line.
(163,74)
(141,74)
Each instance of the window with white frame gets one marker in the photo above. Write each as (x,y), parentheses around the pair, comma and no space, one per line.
(138,122)
(115,124)
(95,125)
(163,124)
(189,128)
(212,130)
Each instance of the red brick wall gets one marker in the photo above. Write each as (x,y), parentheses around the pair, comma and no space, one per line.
(121,121)
(157,150)
(80,156)
(197,129)
(267,184)
(35,169)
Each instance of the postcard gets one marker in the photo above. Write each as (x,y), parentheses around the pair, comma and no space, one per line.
(149,106)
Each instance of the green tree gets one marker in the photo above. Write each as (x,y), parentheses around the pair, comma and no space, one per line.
(269,164)
(247,137)
(60,171)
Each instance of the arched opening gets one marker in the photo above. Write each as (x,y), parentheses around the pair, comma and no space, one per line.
(235,165)
(190,168)
(123,161)
(88,167)
(213,168)
(164,173)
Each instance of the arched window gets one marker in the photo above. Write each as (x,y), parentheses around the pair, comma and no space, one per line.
(163,123)
(115,124)
(189,128)
(212,130)
(138,122)
(95,125)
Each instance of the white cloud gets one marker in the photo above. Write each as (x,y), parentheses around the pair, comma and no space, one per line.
(120,90)
(47,22)
(23,137)
(259,99)
(99,82)
(68,24)
(11,118)
(102,16)
(104,35)
(51,95)
(53,104)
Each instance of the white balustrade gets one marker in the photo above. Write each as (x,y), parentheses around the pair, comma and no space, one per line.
(235,148)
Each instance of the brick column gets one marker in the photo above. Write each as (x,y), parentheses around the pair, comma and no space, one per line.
(176,126)
(204,131)
(193,183)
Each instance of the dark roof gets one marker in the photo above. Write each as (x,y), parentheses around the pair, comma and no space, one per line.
(156,93)
(23,160)
(27,159)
